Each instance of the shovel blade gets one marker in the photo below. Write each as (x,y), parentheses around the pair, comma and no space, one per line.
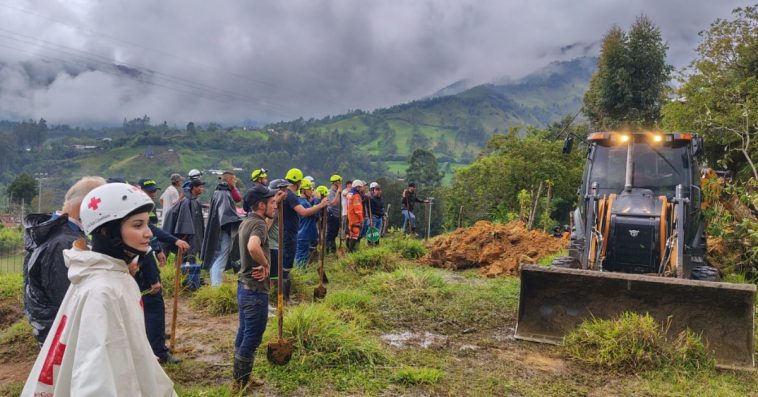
(280,352)
(319,293)
(553,301)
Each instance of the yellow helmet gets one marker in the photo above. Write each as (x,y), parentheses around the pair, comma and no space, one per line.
(335,178)
(259,173)
(306,185)
(322,190)
(294,175)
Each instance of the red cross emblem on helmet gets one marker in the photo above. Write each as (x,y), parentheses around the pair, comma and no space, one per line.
(94,203)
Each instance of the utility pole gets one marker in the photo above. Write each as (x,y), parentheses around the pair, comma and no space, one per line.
(40,176)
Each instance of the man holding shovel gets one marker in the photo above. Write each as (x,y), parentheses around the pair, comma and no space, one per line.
(253,284)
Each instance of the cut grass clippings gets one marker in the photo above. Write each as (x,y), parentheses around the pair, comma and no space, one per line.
(637,343)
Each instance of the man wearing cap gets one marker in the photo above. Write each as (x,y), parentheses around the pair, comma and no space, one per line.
(149,280)
(293,210)
(185,219)
(409,200)
(253,284)
(355,214)
(170,196)
(376,206)
(333,213)
(221,229)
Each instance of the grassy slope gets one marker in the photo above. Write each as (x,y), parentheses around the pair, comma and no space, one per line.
(466,320)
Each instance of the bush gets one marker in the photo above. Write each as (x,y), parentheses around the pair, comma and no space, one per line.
(635,342)
(348,300)
(167,278)
(407,248)
(11,240)
(322,338)
(381,258)
(416,376)
(216,300)
(11,285)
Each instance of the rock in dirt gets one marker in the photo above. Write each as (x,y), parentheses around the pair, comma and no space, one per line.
(497,249)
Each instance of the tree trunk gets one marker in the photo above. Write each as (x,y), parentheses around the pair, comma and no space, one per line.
(536,199)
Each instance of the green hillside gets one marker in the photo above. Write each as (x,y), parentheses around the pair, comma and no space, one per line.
(358,144)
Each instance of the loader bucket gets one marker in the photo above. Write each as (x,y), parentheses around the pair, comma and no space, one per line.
(554,301)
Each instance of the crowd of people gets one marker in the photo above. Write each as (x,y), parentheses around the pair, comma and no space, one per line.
(92,287)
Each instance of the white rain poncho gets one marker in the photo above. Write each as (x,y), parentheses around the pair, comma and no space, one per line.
(97,345)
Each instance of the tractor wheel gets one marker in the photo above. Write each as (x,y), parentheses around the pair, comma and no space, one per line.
(705,273)
(566,262)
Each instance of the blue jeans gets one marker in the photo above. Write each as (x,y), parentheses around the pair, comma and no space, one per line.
(303,252)
(223,250)
(253,315)
(409,221)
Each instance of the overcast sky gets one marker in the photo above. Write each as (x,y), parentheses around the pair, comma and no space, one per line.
(232,61)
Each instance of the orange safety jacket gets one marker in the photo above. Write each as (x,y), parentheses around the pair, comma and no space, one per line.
(355,214)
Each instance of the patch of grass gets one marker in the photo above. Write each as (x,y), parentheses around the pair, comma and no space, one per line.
(168,272)
(322,338)
(635,342)
(406,248)
(372,259)
(216,300)
(671,382)
(548,259)
(416,376)
(359,300)
(11,389)
(18,340)
(11,285)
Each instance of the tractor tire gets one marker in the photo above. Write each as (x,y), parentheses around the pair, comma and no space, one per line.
(566,262)
(705,273)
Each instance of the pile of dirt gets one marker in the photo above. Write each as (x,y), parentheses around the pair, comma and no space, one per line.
(496,249)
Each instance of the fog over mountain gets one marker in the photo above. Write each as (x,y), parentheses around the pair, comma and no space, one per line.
(236,62)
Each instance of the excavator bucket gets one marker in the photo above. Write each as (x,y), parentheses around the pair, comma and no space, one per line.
(555,300)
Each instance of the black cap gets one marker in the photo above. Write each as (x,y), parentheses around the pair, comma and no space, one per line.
(258,193)
(196,182)
(148,184)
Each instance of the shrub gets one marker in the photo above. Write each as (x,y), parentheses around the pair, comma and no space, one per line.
(381,258)
(11,240)
(216,300)
(322,338)
(11,285)
(407,248)
(635,342)
(416,376)
(167,278)
(360,300)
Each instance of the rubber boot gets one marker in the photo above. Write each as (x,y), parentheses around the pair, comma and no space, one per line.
(241,374)
(287,289)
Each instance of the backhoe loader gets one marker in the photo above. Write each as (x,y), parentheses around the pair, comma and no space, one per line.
(638,244)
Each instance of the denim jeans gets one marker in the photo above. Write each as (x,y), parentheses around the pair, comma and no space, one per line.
(223,250)
(253,315)
(303,252)
(409,221)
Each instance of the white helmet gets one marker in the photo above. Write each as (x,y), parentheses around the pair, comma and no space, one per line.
(310,178)
(194,173)
(111,202)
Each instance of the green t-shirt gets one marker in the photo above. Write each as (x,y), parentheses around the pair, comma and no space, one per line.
(273,233)
(253,226)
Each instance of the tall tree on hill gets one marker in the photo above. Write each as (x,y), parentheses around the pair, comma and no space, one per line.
(24,187)
(423,168)
(629,86)
(720,97)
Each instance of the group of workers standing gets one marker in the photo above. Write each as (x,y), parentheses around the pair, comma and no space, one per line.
(119,236)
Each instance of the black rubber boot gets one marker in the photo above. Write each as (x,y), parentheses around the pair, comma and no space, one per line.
(241,373)
(287,289)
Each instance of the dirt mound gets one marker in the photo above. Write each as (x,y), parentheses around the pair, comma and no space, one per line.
(494,248)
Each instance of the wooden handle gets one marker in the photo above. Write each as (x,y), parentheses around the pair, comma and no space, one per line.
(177,277)
(323,245)
(280,268)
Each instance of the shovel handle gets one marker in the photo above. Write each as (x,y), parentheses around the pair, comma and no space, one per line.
(177,276)
(280,269)
(323,245)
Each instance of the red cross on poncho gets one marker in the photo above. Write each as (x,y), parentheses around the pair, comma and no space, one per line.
(54,355)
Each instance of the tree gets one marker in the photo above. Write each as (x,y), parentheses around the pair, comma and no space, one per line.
(629,86)
(191,128)
(423,168)
(719,98)
(24,187)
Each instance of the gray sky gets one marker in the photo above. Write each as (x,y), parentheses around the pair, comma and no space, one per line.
(231,61)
